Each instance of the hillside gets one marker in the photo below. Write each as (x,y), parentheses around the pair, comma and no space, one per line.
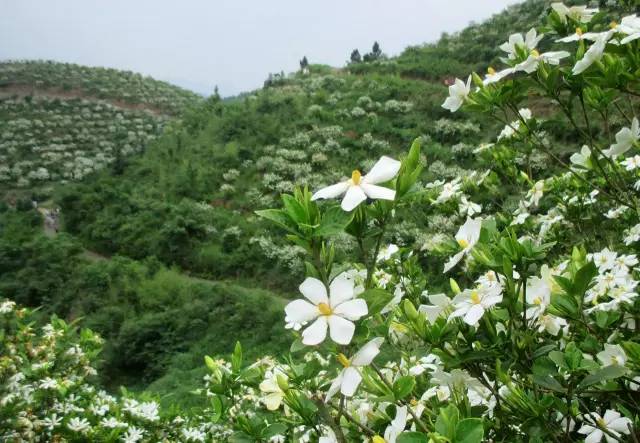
(61,122)
(535,226)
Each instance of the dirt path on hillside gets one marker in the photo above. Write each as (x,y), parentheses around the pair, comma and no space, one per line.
(51,228)
(22,91)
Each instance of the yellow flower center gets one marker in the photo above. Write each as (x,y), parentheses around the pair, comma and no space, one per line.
(475,297)
(356,177)
(613,24)
(414,402)
(601,423)
(378,439)
(325,309)
(535,53)
(343,360)
(491,71)
(579,32)
(614,360)
(537,301)
(463,243)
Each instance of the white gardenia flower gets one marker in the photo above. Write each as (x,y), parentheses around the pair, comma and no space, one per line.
(468,208)
(538,295)
(386,252)
(579,35)
(552,324)
(335,311)
(471,304)
(580,14)
(626,138)
(531,63)
(494,76)
(467,237)
(536,193)
(397,425)
(630,25)
(631,163)
(350,377)
(52,421)
(133,435)
(440,302)
(80,425)
(458,93)
(612,421)
(613,355)
(449,190)
(7,306)
(594,53)
(273,391)
(582,158)
(358,188)
(527,43)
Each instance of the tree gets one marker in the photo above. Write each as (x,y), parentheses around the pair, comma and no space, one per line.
(376,51)
(375,54)
(304,63)
(355,56)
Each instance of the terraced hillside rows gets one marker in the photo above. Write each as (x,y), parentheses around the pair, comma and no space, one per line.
(61,122)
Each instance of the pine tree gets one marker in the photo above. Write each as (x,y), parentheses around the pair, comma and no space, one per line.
(304,63)
(355,56)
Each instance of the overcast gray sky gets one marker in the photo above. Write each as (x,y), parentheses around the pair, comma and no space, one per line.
(230,43)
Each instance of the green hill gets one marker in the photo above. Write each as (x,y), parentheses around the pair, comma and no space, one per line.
(185,204)
(61,122)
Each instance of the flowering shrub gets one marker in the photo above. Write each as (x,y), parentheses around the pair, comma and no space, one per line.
(539,342)
(512,317)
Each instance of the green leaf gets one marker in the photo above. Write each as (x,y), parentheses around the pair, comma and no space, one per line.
(216,406)
(376,299)
(412,437)
(546,381)
(403,386)
(274,429)
(334,221)
(236,357)
(294,209)
(604,374)
(632,350)
(296,346)
(447,421)
(469,430)
(279,217)
(583,279)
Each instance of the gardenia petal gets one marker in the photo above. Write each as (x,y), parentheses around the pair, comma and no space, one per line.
(340,329)
(331,191)
(351,379)
(273,400)
(354,196)
(378,192)
(453,261)
(384,170)
(352,309)
(473,315)
(335,386)
(340,290)
(368,352)
(593,54)
(316,333)
(299,311)
(314,290)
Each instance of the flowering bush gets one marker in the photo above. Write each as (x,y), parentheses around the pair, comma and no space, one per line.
(513,317)
(537,339)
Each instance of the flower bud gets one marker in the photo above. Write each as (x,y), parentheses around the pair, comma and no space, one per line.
(283,383)
(454,286)
(410,310)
